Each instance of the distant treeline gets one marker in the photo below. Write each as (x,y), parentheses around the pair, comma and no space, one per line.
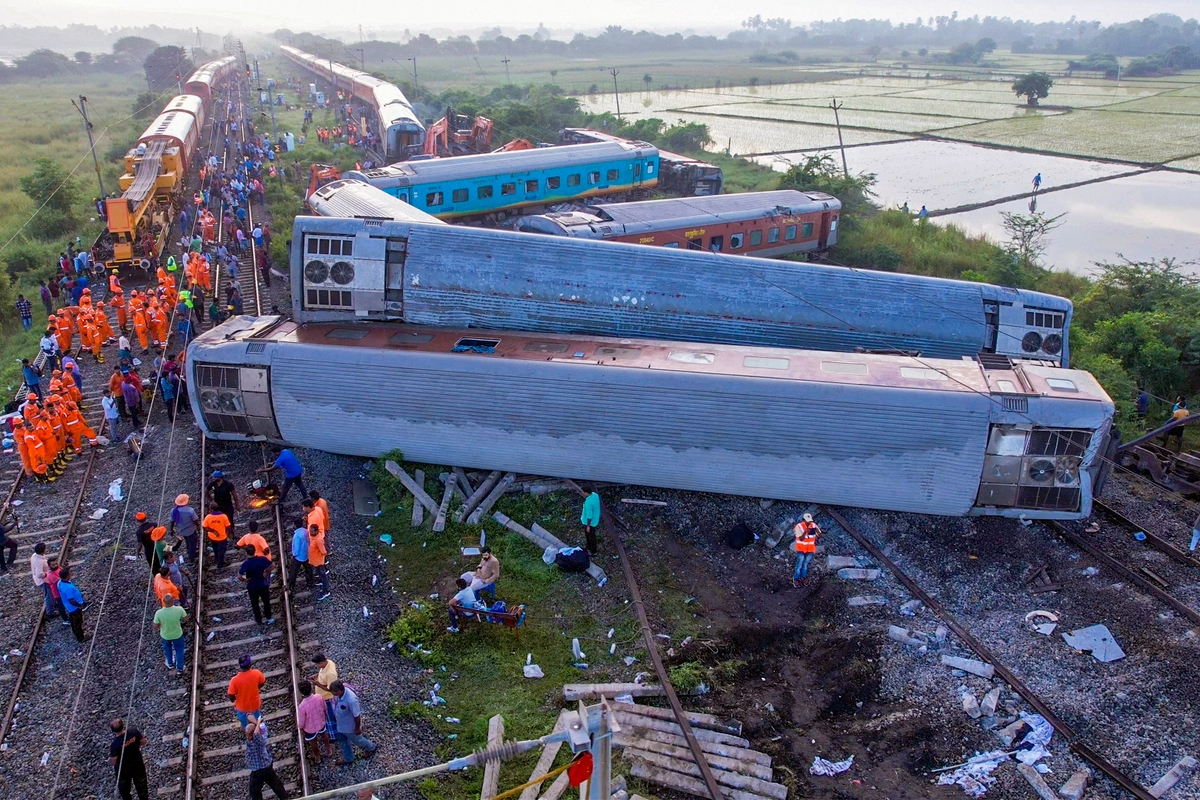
(1155,34)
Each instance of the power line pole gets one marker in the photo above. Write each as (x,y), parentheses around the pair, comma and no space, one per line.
(616,93)
(835,105)
(507,77)
(416,83)
(81,107)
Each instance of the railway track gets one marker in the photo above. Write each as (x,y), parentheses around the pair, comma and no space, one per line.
(227,630)
(1074,740)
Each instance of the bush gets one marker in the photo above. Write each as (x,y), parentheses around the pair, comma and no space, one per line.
(26,255)
(414,631)
(687,676)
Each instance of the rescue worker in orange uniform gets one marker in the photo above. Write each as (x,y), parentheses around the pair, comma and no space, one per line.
(118,305)
(114,283)
(77,428)
(58,429)
(140,327)
(22,448)
(45,434)
(39,465)
(62,324)
(31,407)
(805,545)
(107,334)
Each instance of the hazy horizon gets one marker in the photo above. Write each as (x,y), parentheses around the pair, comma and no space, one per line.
(376,17)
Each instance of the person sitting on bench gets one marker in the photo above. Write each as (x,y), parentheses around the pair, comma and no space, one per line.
(488,571)
(462,603)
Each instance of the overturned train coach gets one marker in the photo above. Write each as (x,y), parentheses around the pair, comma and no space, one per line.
(404,270)
(949,437)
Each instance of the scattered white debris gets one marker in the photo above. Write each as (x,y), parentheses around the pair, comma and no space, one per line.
(453,720)
(1091,572)
(210,636)
(851,574)
(374,580)
(975,776)
(1098,640)
(630,661)
(99,512)
(114,490)
(624,698)
(822,766)
(533,671)
(611,631)
(366,612)
(45,758)
(867,600)
(131,558)
(576,651)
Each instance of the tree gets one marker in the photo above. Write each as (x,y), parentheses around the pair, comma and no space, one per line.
(686,137)
(1033,87)
(823,174)
(134,46)
(55,196)
(986,45)
(146,106)
(873,51)
(1027,235)
(646,79)
(43,64)
(167,66)
(83,58)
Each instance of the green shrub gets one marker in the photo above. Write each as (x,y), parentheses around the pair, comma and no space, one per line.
(687,676)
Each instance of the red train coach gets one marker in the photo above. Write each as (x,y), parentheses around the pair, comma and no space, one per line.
(209,76)
(752,223)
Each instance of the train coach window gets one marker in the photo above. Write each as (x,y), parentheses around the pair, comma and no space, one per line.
(483,192)
(649,167)
(613,174)
(695,244)
(691,357)
(547,347)
(755,238)
(508,188)
(404,337)
(615,353)
(716,244)
(593,178)
(844,368)
(1061,384)
(471,345)
(807,230)
(762,362)
(573,180)
(671,244)
(553,182)
(531,187)
(773,235)
(735,241)
(922,374)
(460,195)
(434,199)
(790,232)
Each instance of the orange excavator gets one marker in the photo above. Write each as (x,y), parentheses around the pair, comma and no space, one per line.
(458,135)
(321,175)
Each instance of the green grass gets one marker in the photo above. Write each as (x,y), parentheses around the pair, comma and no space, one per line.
(482,673)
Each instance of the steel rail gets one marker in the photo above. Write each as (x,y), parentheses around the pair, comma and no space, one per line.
(1154,539)
(63,554)
(611,521)
(190,778)
(1074,742)
(1115,565)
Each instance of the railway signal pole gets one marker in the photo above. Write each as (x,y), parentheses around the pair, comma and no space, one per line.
(81,107)
(836,106)
(616,92)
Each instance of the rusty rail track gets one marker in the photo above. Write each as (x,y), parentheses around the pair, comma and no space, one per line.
(1074,740)
(40,625)
(1153,539)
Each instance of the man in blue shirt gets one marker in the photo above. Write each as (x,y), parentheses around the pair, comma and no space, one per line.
(33,381)
(292,472)
(72,601)
(300,557)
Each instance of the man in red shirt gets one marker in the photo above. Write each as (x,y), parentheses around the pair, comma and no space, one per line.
(244,689)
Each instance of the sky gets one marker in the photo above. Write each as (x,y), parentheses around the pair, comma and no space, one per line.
(469,16)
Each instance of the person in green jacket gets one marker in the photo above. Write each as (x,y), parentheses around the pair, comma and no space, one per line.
(590,518)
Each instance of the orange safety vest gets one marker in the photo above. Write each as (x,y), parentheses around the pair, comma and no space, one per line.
(806,537)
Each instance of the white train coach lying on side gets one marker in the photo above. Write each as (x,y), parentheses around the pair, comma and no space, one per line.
(951,437)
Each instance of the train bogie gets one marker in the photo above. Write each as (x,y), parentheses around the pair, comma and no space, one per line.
(347,269)
(952,437)
(205,79)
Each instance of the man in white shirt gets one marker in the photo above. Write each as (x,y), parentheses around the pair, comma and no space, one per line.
(112,414)
(39,566)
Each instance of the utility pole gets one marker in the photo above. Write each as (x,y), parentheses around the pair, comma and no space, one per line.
(507,77)
(477,64)
(87,126)
(416,83)
(835,105)
(616,93)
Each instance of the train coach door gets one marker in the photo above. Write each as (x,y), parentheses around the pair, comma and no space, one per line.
(991,320)
(397,251)
(823,242)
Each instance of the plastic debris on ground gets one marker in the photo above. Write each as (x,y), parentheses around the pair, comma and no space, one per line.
(975,777)
(533,671)
(627,699)
(1098,640)
(823,766)
(98,513)
(1033,746)
(387,539)
(114,490)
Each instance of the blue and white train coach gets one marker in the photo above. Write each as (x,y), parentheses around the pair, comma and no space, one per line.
(949,437)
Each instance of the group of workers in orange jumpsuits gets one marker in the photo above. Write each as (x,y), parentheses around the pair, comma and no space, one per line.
(89,320)
(148,312)
(51,434)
